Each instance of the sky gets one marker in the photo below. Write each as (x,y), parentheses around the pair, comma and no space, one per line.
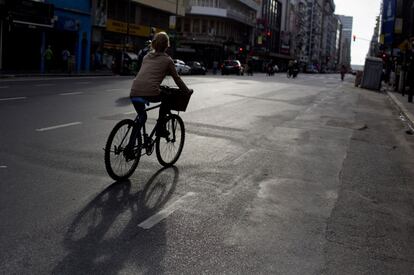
(364,13)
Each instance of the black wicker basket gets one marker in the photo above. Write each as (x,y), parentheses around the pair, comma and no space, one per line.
(176,99)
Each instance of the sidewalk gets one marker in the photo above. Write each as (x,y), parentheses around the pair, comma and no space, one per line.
(55,74)
(401,102)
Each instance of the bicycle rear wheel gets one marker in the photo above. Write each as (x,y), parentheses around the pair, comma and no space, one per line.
(119,163)
(169,148)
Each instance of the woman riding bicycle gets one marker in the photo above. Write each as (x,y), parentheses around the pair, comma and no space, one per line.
(156,65)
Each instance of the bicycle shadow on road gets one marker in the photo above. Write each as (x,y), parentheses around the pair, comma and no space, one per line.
(105,234)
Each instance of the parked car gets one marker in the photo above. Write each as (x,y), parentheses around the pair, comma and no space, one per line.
(130,63)
(312,69)
(196,67)
(181,67)
(232,67)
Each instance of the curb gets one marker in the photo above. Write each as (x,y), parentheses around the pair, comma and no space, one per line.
(402,108)
(13,76)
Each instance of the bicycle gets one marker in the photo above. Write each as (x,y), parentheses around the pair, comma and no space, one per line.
(121,162)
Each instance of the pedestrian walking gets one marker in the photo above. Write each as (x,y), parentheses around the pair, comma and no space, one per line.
(250,67)
(343,72)
(65,60)
(48,56)
(215,67)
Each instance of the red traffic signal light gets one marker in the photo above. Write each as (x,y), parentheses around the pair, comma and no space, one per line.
(354,37)
(269,33)
(240,50)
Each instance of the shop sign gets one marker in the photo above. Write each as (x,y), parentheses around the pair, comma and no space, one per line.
(134,30)
(67,24)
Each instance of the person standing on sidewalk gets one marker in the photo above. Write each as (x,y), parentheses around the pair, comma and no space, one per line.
(343,72)
(65,60)
(48,55)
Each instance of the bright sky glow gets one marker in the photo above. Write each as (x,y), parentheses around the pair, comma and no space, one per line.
(364,13)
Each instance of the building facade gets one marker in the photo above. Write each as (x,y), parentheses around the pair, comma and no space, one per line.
(346,40)
(298,25)
(124,26)
(62,25)
(329,36)
(214,30)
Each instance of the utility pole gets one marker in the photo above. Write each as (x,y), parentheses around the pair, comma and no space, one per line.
(126,39)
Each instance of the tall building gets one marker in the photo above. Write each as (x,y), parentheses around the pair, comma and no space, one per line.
(298,26)
(125,25)
(345,58)
(214,30)
(314,32)
(374,47)
(329,34)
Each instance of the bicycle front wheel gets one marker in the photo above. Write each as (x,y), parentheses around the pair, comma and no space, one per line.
(120,163)
(169,148)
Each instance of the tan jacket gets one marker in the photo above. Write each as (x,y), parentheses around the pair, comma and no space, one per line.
(155,66)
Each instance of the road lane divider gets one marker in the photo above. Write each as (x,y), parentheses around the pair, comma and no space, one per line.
(12,98)
(83,83)
(71,93)
(3,166)
(4,87)
(164,213)
(58,126)
(44,85)
(130,113)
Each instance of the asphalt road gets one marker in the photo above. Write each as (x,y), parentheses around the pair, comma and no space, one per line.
(277,176)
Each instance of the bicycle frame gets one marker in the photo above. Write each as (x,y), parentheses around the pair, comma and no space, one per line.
(148,140)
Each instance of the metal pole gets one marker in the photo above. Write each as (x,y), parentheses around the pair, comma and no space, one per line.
(126,39)
(1,45)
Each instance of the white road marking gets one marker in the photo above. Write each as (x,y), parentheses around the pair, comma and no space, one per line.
(4,87)
(58,126)
(12,98)
(71,93)
(130,113)
(112,90)
(44,85)
(3,166)
(83,83)
(164,213)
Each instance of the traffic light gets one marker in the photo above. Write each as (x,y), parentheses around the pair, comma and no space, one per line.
(240,50)
(354,37)
(269,33)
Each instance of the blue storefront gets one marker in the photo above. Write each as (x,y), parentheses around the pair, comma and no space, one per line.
(72,31)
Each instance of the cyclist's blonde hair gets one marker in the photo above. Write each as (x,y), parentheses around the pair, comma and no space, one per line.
(160,42)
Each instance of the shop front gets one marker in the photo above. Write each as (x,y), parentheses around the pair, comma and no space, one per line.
(23,32)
